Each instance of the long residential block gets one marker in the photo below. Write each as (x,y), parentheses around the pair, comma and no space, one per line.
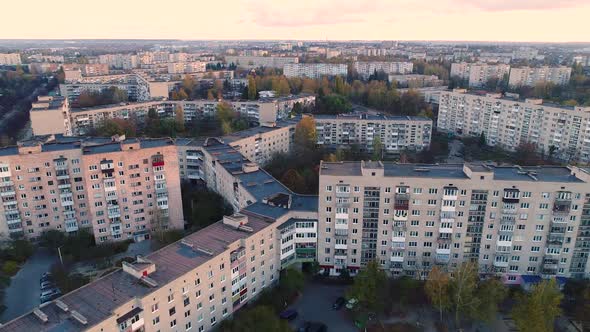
(512,221)
(562,132)
(396,133)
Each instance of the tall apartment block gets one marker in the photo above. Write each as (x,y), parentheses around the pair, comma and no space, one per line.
(186,67)
(478,74)
(512,221)
(506,122)
(136,86)
(119,61)
(251,62)
(10,59)
(529,76)
(118,189)
(314,70)
(396,133)
(366,69)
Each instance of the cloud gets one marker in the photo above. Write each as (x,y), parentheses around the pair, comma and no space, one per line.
(514,5)
(302,13)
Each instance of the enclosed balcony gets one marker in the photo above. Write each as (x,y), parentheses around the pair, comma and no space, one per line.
(157,160)
(511,196)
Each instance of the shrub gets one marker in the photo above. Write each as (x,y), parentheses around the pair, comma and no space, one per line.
(10,268)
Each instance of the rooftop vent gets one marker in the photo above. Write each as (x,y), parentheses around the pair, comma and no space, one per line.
(41,315)
(79,317)
(280,200)
(61,305)
(196,248)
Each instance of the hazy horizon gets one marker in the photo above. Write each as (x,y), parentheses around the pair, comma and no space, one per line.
(534,21)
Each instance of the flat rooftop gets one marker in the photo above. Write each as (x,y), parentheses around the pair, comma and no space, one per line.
(55,103)
(453,171)
(97,300)
(370,117)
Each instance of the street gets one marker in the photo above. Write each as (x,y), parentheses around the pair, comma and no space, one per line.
(23,293)
(315,304)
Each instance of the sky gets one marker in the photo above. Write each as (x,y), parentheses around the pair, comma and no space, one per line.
(464,20)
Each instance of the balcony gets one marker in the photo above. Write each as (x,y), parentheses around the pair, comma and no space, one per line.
(500,263)
(342,246)
(396,259)
(442,258)
(561,207)
(444,239)
(509,211)
(401,205)
(71,226)
(6,184)
(402,196)
(341,225)
(398,238)
(9,192)
(443,251)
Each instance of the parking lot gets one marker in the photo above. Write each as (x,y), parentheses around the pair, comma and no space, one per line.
(23,293)
(316,305)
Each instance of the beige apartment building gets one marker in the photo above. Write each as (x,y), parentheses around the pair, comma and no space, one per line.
(563,132)
(396,133)
(314,70)
(366,69)
(82,120)
(119,189)
(251,62)
(50,115)
(10,59)
(531,76)
(513,221)
(478,74)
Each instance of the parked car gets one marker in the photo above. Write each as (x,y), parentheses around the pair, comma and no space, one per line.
(313,327)
(49,295)
(339,303)
(47,284)
(46,274)
(289,314)
(44,279)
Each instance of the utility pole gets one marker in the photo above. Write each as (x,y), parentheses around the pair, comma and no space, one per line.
(59,253)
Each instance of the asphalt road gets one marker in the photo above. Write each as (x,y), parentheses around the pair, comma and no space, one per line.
(315,304)
(23,293)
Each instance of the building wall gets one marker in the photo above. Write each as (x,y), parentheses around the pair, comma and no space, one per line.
(409,232)
(10,59)
(528,76)
(508,123)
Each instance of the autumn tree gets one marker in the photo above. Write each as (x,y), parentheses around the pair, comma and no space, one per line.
(179,118)
(537,310)
(377,149)
(437,289)
(491,293)
(368,288)
(462,290)
(305,133)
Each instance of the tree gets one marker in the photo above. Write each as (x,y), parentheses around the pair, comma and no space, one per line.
(251,88)
(257,319)
(482,139)
(437,289)
(377,149)
(179,118)
(294,181)
(368,288)
(462,290)
(536,311)
(158,224)
(490,293)
(305,133)
(291,281)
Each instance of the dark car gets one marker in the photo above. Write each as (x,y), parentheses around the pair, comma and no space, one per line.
(289,314)
(313,327)
(339,303)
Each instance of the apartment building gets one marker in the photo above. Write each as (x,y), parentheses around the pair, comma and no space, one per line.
(415,81)
(251,62)
(478,74)
(583,60)
(512,221)
(186,67)
(50,115)
(396,133)
(530,76)
(83,120)
(10,59)
(119,189)
(136,86)
(366,69)
(314,70)
(563,132)
(119,61)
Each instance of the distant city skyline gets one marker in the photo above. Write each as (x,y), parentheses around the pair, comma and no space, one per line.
(461,20)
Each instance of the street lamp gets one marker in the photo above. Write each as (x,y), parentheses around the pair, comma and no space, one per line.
(59,253)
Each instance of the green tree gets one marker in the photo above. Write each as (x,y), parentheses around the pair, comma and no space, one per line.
(537,310)
(377,149)
(251,88)
(368,288)
(10,268)
(482,139)
(291,281)
(462,290)
(437,289)
(257,319)
(490,293)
